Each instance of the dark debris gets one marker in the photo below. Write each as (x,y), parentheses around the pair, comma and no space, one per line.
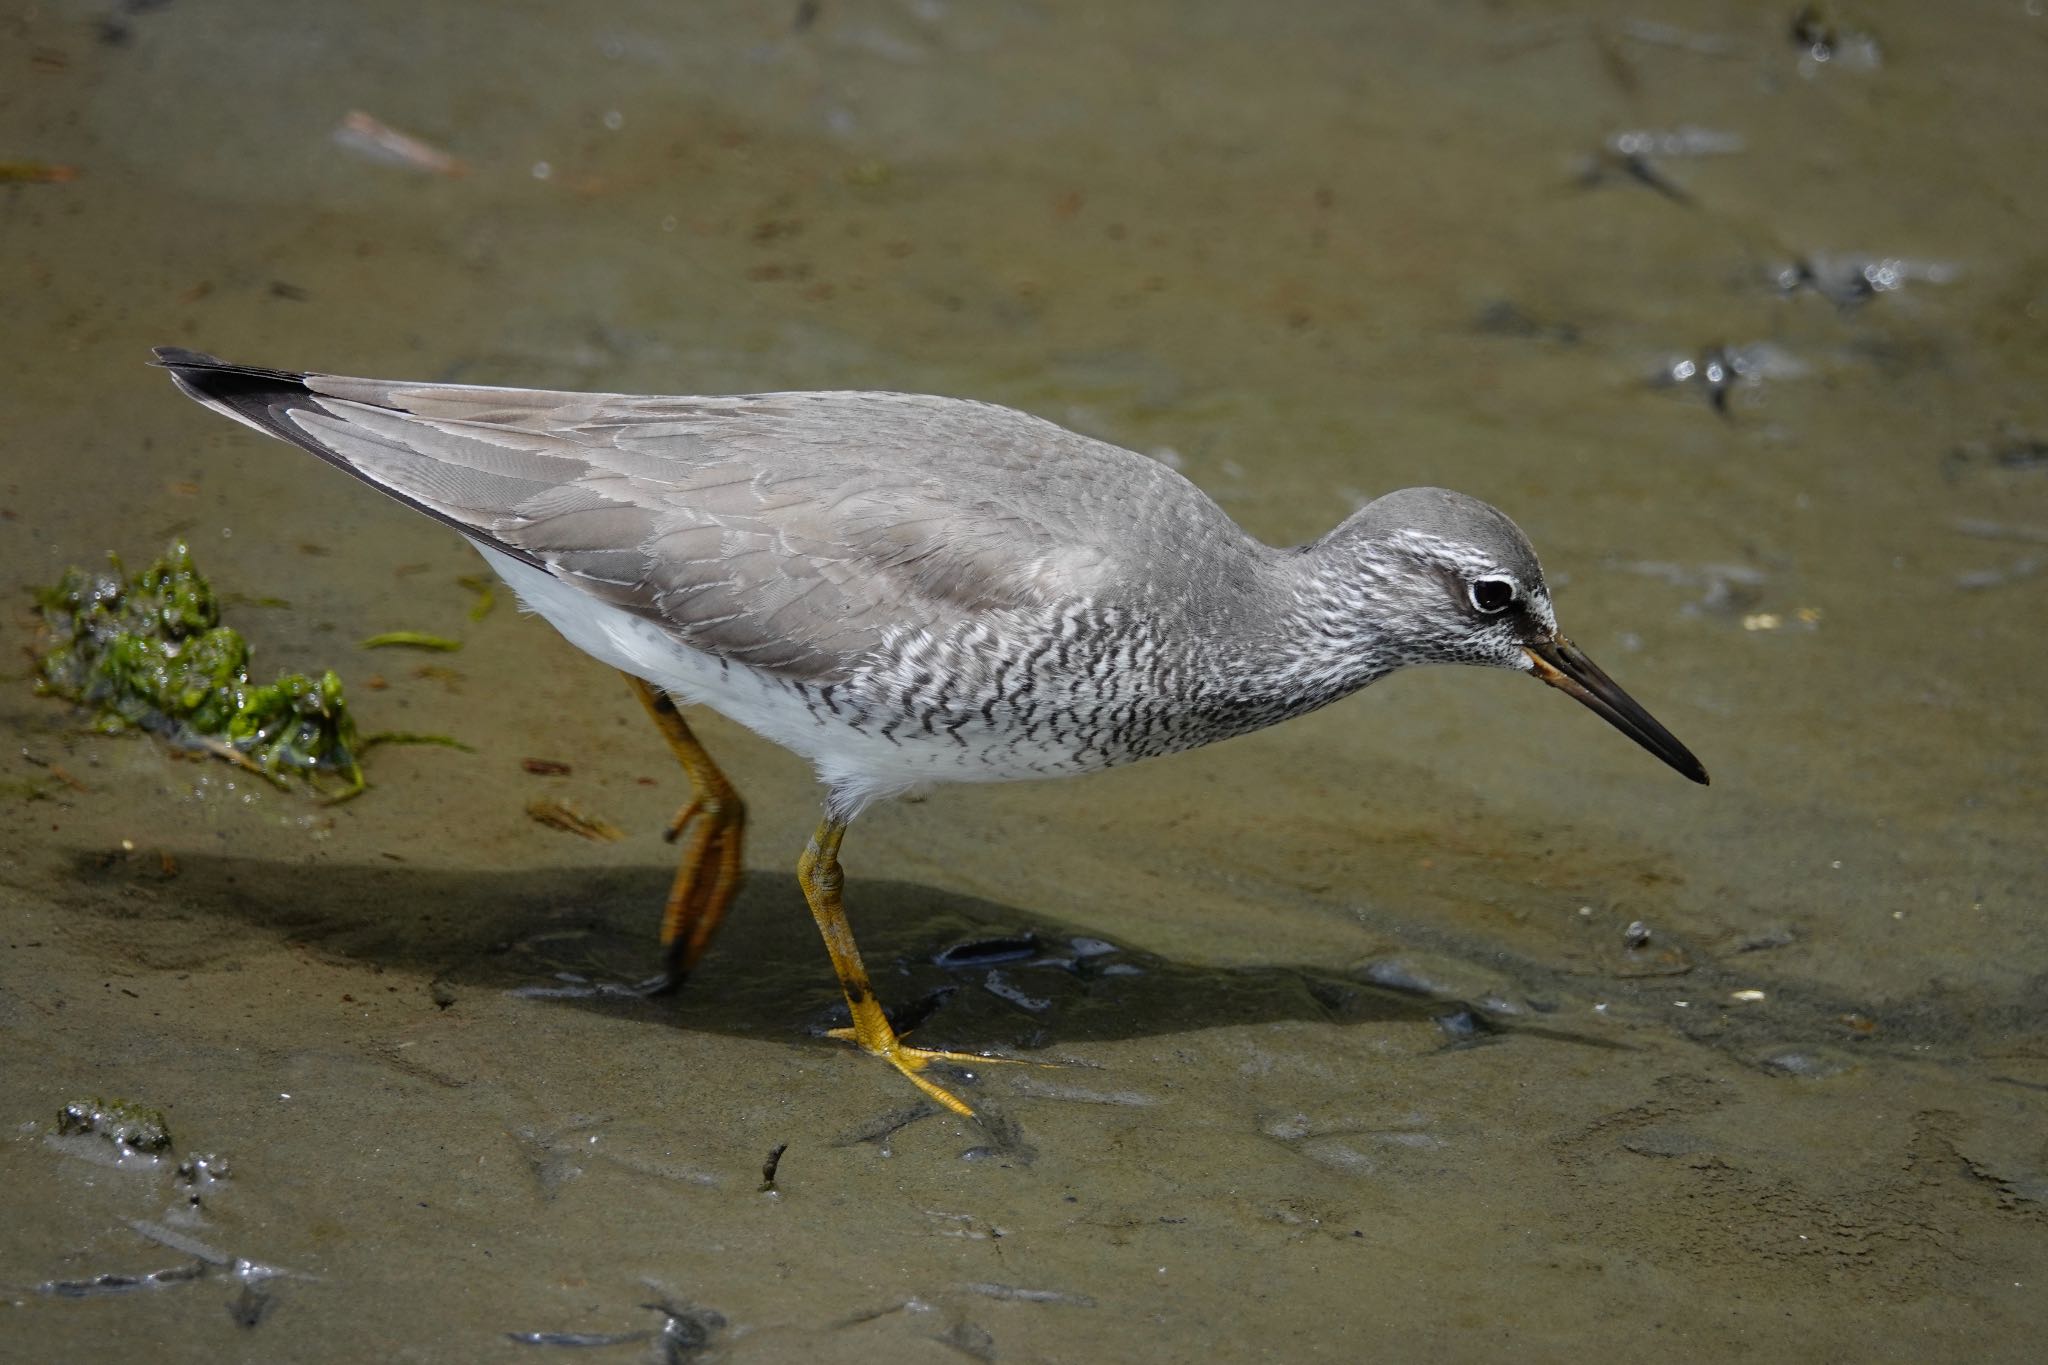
(251,1306)
(986,952)
(115,1283)
(770,1166)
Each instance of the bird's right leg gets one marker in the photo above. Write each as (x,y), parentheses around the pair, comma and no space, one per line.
(714,821)
(819,875)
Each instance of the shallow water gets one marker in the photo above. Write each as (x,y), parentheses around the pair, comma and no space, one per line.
(1380,1068)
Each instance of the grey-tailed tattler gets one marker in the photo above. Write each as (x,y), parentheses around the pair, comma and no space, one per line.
(909,590)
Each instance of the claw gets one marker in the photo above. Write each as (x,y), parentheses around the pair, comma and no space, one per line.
(912,1061)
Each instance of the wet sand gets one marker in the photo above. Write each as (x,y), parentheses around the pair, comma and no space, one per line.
(1442,1023)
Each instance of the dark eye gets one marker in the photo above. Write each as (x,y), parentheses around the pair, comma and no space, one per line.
(1492,595)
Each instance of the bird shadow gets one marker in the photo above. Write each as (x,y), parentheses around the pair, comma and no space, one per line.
(972,973)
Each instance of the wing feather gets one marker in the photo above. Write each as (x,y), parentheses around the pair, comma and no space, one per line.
(795,532)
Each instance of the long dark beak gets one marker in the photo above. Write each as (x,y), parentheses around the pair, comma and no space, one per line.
(1559,663)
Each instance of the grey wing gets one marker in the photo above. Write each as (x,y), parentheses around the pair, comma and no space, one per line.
(791,532)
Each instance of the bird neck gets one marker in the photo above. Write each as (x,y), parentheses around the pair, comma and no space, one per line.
(1315,628)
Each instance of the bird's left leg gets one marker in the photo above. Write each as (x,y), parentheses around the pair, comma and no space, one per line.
(714,821)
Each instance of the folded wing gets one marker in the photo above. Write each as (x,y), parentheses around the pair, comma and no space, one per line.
(791,532)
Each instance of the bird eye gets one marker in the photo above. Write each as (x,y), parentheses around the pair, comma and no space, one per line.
(1491,596)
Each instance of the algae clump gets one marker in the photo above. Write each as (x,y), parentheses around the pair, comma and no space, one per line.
(149,653)
(121,1122)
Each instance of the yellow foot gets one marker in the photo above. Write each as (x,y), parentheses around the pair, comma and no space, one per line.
(719,811)
(706,878)
(912,1061)
(708,873)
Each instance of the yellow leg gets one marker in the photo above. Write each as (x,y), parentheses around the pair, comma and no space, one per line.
(714,821)
(819,875)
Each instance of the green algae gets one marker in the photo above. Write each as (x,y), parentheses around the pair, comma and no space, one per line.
(121,1122)
(150,653)
(412,639)
(414,737)
(486,591)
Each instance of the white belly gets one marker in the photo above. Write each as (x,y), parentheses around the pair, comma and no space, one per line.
(859,767)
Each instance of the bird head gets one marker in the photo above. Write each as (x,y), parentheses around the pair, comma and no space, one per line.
(1449,579)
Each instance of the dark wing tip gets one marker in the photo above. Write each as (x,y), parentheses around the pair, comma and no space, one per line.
(265,399)
(174,357)
(214,376)
(247,393)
